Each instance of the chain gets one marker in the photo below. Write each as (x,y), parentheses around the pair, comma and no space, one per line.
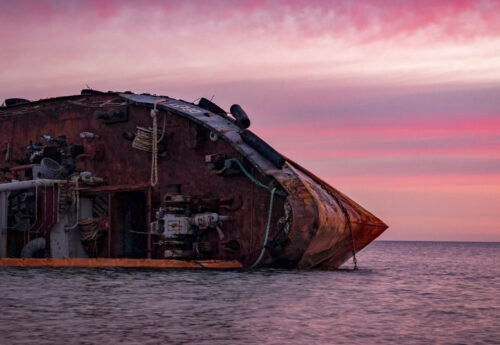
(346,214)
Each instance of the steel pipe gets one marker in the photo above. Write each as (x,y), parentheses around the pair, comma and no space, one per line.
(20,185)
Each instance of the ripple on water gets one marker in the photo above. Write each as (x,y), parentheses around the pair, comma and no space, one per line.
(404,292)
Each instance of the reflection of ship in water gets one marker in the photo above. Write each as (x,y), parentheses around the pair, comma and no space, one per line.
(123,179)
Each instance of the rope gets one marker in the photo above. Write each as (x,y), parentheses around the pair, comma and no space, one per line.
(268,227)
(155,141)
(117,102)
(154,159)
(348,223)
(77,192)
(89,229)
(143,140)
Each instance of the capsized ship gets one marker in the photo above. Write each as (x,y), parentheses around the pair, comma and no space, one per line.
(137,180)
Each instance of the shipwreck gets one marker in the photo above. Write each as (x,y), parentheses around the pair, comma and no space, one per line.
(139,180)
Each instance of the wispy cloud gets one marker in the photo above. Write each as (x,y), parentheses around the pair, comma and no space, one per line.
(385,99)
(406,42)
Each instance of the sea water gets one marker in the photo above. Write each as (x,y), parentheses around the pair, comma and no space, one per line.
(403,293)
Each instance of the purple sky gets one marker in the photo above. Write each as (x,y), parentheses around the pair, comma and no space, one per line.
(395,103)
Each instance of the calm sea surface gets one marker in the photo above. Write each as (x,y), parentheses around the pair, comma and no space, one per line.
(404,293)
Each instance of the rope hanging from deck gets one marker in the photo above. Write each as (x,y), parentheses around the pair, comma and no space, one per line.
(155,141)
(144,140)
(348,224)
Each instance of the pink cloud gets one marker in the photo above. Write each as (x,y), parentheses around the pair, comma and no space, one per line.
(492,152)
(387,100)
(430,207)
(438,126)
(217,40)
(369,19)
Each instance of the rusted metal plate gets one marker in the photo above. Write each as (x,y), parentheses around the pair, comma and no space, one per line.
(331,245)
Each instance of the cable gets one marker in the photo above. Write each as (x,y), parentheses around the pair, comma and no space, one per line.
(268,227)
(348,224)
(267,230)
(253,179)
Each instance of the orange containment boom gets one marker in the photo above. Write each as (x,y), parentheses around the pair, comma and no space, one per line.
(134,263)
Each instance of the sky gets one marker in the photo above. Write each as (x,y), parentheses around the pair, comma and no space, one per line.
(395,103)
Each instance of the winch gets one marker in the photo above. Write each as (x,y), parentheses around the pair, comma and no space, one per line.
(181,231)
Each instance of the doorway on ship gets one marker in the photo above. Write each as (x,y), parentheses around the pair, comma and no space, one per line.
(129,225)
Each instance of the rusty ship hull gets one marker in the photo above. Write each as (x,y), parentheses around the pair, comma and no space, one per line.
(84,182)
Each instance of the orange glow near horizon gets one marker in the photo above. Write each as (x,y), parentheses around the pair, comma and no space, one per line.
(395,103)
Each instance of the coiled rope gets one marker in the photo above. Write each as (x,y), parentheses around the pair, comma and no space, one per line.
(143,140)
(273,190)
(147,140)
(89,229)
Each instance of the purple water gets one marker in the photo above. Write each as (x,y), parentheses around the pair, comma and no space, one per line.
(404,293)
